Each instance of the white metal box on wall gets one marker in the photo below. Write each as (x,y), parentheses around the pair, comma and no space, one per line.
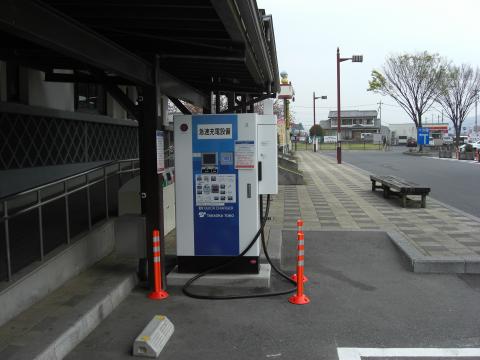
(267,154)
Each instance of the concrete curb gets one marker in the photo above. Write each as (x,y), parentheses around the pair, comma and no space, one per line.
(274,243)
(434,264)
(88,321)
(260,280)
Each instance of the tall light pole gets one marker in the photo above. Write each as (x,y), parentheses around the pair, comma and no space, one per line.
(323,97)
(354,58)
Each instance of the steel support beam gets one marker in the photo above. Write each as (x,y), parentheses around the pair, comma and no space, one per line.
(122,99)
(217,102)
(85,78)
(207,109)
(231,100)
(243,105)
(40,24)
(176,88)
(180,106)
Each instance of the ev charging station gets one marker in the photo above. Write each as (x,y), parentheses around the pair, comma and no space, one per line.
(223,163)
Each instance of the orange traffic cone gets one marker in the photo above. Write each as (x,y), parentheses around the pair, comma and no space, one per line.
(299,229)
(158,293)
(300,298)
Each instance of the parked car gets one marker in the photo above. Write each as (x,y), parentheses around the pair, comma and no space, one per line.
(411,142)
(466,148)
(476,145)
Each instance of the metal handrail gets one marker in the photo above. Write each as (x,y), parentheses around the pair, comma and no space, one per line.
(65,194)
(70,177)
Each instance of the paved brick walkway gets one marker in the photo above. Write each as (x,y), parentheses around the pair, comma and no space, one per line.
(340,197)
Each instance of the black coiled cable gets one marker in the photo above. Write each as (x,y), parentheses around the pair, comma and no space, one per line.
(261,233)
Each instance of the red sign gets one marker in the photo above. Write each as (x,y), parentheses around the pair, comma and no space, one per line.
(437,127)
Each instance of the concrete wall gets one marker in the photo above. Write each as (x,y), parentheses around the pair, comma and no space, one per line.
(56,270)
(59,96)
(114,109)
(129,202)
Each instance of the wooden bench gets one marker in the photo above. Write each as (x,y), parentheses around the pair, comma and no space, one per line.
(392,185)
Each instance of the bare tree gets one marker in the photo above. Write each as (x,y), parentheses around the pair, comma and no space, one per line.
(413,81)
(458,93)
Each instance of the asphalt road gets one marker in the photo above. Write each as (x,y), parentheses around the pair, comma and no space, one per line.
(456,183)
(362,296)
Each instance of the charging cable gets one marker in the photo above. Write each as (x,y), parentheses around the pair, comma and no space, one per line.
(260,233)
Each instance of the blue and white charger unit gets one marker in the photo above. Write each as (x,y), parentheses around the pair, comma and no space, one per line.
(222,164)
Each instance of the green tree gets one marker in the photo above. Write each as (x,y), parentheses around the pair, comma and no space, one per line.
(316,130)
(412,80)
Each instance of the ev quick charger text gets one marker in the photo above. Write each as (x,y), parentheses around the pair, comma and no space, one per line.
(216,213)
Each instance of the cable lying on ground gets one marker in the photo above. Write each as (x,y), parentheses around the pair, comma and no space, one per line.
(259,233)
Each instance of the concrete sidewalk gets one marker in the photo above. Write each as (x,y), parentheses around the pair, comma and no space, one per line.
(340,197)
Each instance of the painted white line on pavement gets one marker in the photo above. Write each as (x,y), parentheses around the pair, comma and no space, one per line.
(358,353)
(460,161)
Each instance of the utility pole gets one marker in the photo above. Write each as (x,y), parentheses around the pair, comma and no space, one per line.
(380,110)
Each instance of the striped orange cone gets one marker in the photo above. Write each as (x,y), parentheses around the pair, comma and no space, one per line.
(299,229)
(158,293)
(300,298)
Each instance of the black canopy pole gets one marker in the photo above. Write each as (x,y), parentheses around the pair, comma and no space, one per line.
(150,181)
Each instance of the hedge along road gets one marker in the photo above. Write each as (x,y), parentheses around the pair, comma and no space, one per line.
(453,182)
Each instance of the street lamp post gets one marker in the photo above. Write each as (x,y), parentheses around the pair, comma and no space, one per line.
(323,97)
(354,58)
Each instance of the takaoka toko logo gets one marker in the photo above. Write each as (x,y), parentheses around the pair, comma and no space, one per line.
(201,214)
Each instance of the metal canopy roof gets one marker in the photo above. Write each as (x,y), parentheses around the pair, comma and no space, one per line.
(224,45)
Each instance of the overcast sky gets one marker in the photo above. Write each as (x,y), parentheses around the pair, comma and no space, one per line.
(307,34)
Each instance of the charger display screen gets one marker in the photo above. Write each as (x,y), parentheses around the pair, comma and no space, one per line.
(209,159)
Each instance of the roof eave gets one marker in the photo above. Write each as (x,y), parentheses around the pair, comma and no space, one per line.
(244,24)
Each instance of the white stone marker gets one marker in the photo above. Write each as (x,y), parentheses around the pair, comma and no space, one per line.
(154,337)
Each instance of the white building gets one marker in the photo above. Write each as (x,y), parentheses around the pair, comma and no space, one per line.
(401,132)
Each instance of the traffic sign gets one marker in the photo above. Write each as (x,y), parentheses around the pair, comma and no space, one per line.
(423,135)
